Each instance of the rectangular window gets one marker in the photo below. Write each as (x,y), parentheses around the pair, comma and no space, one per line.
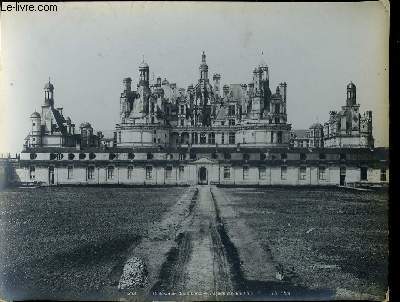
(119,136)
(223,123)
(262,172)
(283,172)
(245,172)
(211,138)
(231,110)
(231,122)
(130,172)
(90,172)
(110,172)
(32,172)
(149,172)
(168,172)
(182,122)
(383,174)
(70,172)
(363,172)
(302,173)
(231,138)
(279,137)
(321,173)
(222,138)
(227,172)
(182,109)
(181,172)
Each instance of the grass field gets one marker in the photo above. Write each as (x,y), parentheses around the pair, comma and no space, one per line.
(71,242)
(323,238)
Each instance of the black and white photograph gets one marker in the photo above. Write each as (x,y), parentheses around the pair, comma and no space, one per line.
(194,151)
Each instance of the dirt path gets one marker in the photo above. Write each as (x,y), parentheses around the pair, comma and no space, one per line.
(207,269)
(203,250)
(197,266)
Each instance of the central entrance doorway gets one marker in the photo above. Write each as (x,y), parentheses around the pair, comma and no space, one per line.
(203,176)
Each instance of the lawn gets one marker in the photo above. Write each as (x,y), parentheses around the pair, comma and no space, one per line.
(323,238)
(72,242)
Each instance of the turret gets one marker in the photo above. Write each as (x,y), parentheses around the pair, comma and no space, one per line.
(35,136)
(143,74)
(225,90)
(216,80)
(351,94)
(264,73)
(282,89)
(49,94)
(203,68)
(127,83)
(257,72)
(86,134)
(60,110)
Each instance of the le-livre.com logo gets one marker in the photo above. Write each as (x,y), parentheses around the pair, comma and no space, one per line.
(27,7)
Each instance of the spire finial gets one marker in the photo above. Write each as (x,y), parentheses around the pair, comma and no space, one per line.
(203,57)
(143,58)
(49,79)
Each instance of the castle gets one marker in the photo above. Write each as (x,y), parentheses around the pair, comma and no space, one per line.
(203,134)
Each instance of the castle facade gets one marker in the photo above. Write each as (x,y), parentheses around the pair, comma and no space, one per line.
(203,134)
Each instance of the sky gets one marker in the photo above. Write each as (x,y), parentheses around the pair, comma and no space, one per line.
(88,48)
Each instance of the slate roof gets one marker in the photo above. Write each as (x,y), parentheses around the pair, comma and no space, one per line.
(60,121)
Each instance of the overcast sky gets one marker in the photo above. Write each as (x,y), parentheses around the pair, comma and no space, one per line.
(87,49)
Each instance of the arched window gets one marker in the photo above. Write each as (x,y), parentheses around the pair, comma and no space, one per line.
(202,138)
